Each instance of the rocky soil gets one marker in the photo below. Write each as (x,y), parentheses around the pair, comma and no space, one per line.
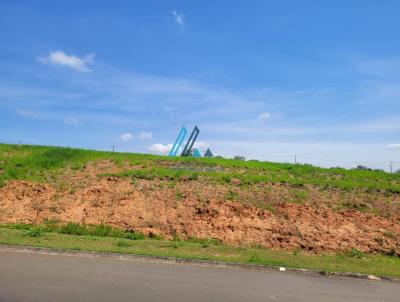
(276,216)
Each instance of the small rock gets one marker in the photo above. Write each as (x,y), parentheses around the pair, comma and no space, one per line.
(372,277)
(282,269)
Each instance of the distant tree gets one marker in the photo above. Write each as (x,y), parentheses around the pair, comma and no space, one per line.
(397,172)
(239,157)
(361,167)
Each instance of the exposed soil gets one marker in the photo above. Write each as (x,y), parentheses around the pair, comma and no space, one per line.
(272,215)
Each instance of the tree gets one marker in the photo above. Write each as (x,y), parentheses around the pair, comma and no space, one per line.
(361,167)
(239,157)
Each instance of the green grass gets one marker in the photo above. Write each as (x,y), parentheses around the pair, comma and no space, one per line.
(42,164)
(72,228)
(206,249)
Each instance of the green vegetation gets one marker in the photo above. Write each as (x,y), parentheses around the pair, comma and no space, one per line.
(72,228)
(194,248)
(42,164)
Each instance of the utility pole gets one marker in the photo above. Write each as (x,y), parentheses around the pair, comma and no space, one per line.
(113,148)
(391,167)
(295,159)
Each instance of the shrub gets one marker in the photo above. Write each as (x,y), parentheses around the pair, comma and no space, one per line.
(101,230)
(133,236)
(72,228)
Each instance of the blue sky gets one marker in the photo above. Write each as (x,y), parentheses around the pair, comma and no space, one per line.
(265,79)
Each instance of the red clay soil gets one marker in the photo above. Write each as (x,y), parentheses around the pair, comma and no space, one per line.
(273,216)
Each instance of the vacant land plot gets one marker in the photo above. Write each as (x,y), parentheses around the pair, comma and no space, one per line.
(247,204)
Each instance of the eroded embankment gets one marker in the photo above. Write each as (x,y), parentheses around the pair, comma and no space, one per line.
(272,215)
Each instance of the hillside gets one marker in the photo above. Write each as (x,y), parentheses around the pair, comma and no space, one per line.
(245,203)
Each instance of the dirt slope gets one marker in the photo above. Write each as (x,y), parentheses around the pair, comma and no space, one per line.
(272,215)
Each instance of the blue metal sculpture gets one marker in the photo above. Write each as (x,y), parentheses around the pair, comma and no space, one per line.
(208,153)
(189,144)
(178,142)
(196,153)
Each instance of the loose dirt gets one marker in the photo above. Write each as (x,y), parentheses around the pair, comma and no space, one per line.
(276,216)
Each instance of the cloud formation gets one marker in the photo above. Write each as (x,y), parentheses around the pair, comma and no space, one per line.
(126,136)
(145,135)
(264,115)
(201,145)
(160,148)
(179,18)
(72,121)
(28,113)
(395,147)
(71,61)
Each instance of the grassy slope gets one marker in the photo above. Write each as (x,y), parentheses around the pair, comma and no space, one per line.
(38,163)
(207,250)
(41,164)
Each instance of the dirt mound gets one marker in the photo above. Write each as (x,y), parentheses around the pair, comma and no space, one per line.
(272,215)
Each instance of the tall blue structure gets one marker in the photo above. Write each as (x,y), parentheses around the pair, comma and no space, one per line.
(189,144)
(188,149)
(178,142)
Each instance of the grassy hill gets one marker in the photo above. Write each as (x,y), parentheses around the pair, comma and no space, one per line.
(203,208)
(37,163)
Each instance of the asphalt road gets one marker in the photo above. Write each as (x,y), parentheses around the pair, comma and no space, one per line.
(38,277)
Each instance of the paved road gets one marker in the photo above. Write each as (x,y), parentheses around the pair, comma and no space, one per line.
(38,277)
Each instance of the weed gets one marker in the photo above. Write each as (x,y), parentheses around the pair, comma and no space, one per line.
(53,208)
(21,226)
(270,208)
(178,195)
(231,195)
(101,230)
(133,236)
(35,232)
(123,243)
(204,242)
(255,258)
(72,228)
(389,235)
(354,253)
(362,207)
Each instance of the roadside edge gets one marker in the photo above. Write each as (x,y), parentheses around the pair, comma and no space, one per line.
(171,260)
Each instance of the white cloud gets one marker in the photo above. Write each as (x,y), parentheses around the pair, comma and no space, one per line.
(264,115)
(393,147)
(379,67)
(60,58)
(72,121)
(145,135)
(201,145)
(126,136)
(161,148)
(29,113)
(179,18)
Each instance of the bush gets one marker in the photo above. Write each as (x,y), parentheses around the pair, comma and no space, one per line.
(101,230)
(133,236)
(72,228)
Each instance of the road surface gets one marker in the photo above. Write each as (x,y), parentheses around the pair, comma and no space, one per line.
(30,276)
